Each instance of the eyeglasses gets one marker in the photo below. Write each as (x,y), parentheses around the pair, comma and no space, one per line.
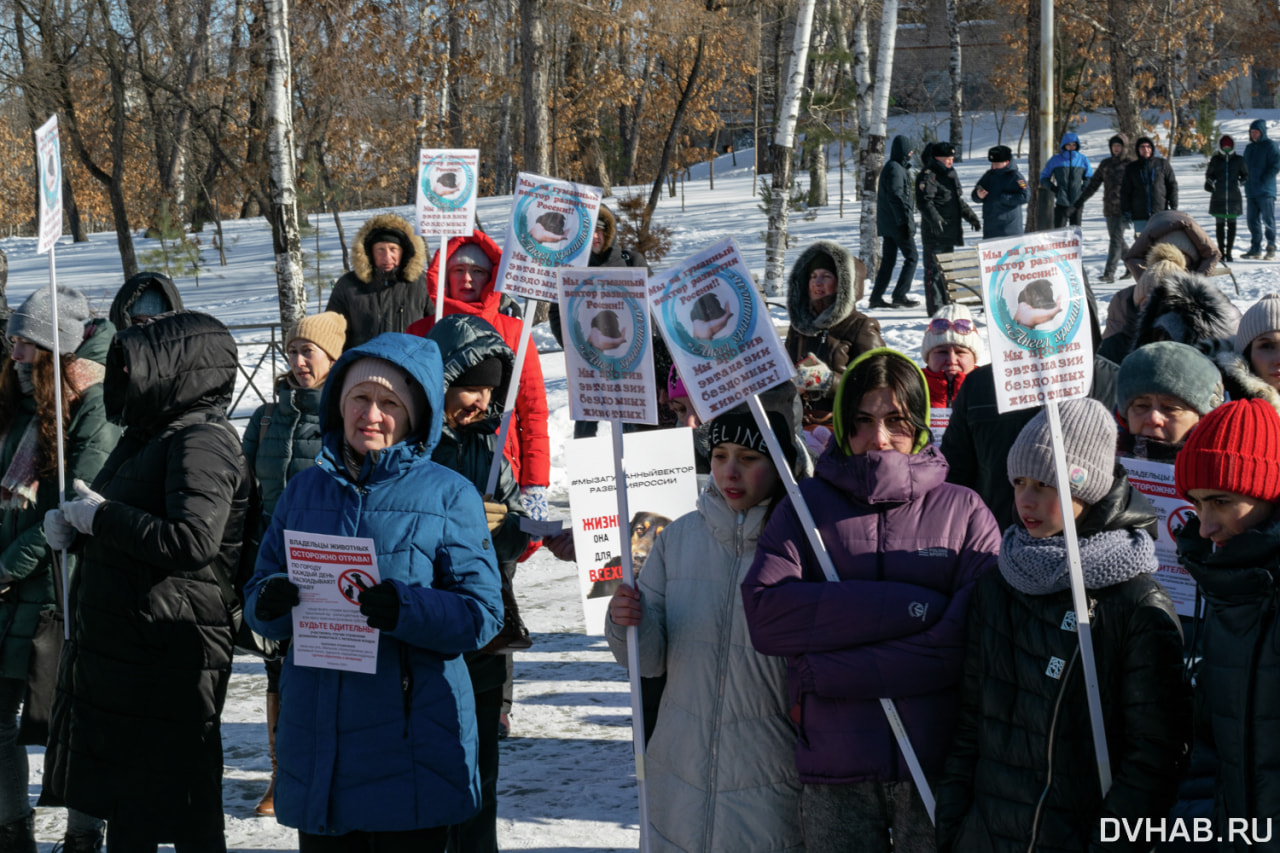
(895,425)
(941,325)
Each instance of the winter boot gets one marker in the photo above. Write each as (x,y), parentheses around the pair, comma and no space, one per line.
(267,805)
(514,635)
(82,843)
(18,836)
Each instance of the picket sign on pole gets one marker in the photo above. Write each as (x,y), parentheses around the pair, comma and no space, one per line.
(49,158)
(446,203)
(1080,597)
(829,572)
(1041,355)
(633,632)
(442,253)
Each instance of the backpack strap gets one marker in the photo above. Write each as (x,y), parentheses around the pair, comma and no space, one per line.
(265,422)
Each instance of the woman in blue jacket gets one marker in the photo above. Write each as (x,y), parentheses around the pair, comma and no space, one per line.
(387,760)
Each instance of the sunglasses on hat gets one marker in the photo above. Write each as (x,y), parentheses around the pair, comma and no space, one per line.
(941,325)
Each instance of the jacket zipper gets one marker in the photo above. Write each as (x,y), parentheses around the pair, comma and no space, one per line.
(1247,739)
(1053,725)
(725,638)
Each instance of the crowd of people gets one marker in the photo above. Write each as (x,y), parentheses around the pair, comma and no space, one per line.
(764,679)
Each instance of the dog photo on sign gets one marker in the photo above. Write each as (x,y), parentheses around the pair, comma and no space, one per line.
(709,316)
(606,332)
(549,228)
(1037,304)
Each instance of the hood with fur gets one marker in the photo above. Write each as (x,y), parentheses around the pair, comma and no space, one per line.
(849,274)
(412,263)
(1188,308)
(1238,378)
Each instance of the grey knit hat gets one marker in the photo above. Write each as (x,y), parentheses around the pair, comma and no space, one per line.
(1263,317)
(1168,367)
(34,319)
(1089,437)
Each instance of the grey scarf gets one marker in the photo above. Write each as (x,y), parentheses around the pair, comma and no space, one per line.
(1039,566)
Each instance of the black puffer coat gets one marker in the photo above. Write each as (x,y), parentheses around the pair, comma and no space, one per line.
(1223,179)
(1238,688)
(121,307)
(135,731)
(1148,186)
(1021,773)
(895,213)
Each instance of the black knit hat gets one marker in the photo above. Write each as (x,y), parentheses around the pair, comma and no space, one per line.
(739,427)
(1000,154)
(821,261)
(387,235)
(485,374)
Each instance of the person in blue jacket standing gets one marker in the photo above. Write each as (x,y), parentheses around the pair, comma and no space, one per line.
(1065,175)
(383,761)
(1262,156)
(1002,192)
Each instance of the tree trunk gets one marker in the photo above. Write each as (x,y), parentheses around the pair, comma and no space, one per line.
(673,135)
(871,153)
(957,78)
(633,140)
(1124,89)
(504,171)
(533,83)
(1034,157)
(285,239)
(868,244)
(457,97)
(72,210)
(776,243)
(823,85)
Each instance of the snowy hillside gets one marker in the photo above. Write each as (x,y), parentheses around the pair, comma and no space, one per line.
(567,773)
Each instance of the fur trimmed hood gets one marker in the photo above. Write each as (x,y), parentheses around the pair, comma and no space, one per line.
(1238,378)
(849,283)
(1187,308)
(412,264)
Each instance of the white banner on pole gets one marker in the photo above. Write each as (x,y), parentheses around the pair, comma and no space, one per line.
(1155,480)
(551,226)
(604,313)
(448,181)
(49,156)
(1039,330)
(718,329)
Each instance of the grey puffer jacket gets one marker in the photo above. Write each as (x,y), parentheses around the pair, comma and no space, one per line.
(290,445)
(721,770)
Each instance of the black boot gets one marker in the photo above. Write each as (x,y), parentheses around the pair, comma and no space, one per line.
(514,635)
(82,843)
(18,836)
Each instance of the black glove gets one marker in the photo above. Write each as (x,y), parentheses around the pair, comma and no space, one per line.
(904,234)
(276,598)
(381,606)
(974,221)
(1070,213)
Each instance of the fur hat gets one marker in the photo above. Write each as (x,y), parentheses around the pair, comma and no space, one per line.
(327,330)
(379,371)
(34,319)
(1000,154)
(943,149)
(1089,439)
(951,312)
(1235,448)
(1165,367)
(1263,317)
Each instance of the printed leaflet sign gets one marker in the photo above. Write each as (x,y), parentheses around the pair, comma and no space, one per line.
(1155,480)
(330,572)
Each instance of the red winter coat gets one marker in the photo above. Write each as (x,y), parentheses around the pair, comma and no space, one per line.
(527,447)
(943,387)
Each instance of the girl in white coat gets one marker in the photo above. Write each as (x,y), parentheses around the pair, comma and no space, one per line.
(720,766)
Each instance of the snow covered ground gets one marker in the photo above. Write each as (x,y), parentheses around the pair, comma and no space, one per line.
(567,780)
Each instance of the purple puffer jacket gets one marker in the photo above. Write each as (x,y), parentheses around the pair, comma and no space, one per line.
(908,547)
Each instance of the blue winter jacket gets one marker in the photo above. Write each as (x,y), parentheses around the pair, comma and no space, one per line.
(1263,159)
(1007,192)
(1066,173)
(395,750)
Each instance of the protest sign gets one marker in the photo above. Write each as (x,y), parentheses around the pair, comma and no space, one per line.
(718,329)
(1155,480)
(447,183)
(330,572)
(1040,335)
(551,226)
(661,486)
(604,313)
(938,420)
(49,158)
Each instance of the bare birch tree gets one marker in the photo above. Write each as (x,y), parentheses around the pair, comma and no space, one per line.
(285,240)
(957,79)
(871,152)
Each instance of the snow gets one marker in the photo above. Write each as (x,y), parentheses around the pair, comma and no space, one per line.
(567,779)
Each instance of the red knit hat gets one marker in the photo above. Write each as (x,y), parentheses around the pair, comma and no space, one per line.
(1235,448)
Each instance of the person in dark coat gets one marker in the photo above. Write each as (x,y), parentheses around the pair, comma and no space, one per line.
(1149,185)
(826,326)
(142,297)
(942,207)
(907,548)
(1226,173)
(1229,470)
(1002,192)
(1262,156)
(135,735)
(29,489)
(477,370)
(1110,176)
(1021,773)
(1187,308)
(386,289)
(1065,176)
(281,440)
(896,223)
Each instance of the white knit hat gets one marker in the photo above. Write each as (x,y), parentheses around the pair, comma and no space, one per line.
(1263,317)
(952,312)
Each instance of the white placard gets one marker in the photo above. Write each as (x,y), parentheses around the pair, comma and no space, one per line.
(1155,480)
(551,226)
(447,189)
(938,421)
(49,156)
(718,329)
(608,346)
(1039,328)
(330,572)
(661,487)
